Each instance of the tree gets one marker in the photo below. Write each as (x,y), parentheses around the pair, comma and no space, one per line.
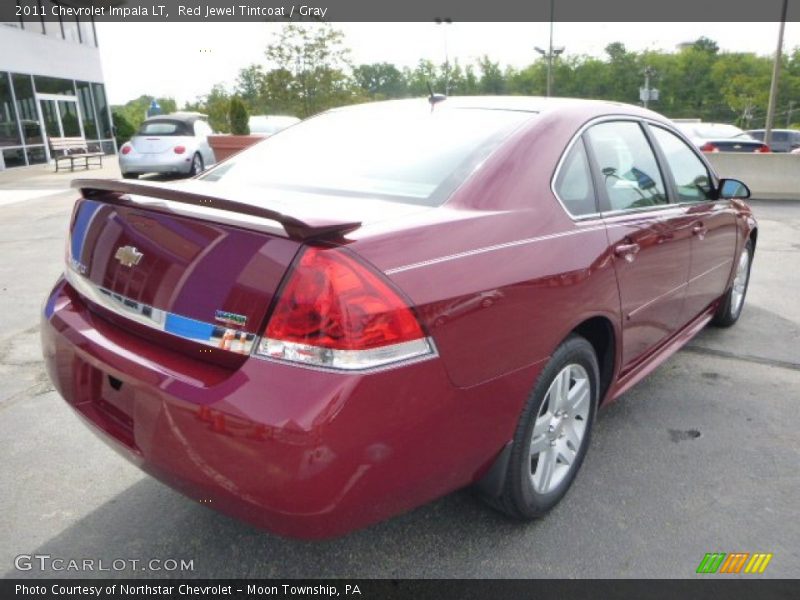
(379,81)
(123,130)
(135,111)
(492,80)
(250,87)
(316,58)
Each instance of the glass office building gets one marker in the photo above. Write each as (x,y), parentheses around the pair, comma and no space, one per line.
(51,85)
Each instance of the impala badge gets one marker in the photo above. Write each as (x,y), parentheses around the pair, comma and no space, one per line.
(128,256)
(231,319)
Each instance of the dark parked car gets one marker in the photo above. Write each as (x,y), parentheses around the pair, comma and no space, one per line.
(389,302)
(720,137)
(783,140)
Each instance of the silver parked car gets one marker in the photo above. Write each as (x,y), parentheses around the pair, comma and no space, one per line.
(175,144)
(267,125)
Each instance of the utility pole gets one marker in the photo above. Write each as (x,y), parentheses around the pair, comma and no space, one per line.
(776,71)
(646,94)
(551,52)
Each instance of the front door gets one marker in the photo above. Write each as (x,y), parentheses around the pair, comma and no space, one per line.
(647,234)
(712,223)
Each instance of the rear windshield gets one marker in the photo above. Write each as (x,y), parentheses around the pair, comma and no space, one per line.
(164,128)
(405,153)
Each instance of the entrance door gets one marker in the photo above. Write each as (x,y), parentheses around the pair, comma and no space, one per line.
(60,117)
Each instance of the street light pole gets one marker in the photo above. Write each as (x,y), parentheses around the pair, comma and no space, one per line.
(446,21)
(776,71)
(551,51)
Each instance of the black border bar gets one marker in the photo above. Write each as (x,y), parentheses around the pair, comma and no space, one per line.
(405,10)
(716,587)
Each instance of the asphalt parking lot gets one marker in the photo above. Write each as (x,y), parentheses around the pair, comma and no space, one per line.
(701,457)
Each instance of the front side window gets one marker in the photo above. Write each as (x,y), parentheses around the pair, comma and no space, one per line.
(627,165)
(692,179)
(574,182)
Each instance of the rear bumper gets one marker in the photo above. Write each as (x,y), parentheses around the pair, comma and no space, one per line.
(164,162)
(302,453)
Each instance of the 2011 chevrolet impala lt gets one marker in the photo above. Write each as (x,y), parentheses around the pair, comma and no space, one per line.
(389,302)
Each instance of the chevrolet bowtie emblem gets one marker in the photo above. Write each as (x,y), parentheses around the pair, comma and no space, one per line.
(128,256)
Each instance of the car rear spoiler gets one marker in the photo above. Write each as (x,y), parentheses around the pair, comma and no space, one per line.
(302,224)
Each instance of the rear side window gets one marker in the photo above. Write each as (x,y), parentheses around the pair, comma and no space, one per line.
(627,165)
(164,128)
(692,179)
(574,185)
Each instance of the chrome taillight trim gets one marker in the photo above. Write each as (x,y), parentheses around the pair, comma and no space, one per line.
(346,361)
(214,335)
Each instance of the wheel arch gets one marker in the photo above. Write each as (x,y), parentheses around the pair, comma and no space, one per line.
(599,332)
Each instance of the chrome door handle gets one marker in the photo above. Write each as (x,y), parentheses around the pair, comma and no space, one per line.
(627,251)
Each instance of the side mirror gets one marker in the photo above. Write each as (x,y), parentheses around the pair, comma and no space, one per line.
(733,188)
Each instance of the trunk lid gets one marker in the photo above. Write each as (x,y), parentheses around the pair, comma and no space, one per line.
(156,145)
(196,265)
(180,281)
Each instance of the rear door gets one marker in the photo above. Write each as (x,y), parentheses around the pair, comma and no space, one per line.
(712,223)
(648,235)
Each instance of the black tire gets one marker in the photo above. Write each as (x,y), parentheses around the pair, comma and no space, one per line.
(130,176)
(729,311)
(197,165)
(519,498)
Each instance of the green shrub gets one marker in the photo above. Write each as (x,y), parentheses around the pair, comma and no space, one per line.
(238,117)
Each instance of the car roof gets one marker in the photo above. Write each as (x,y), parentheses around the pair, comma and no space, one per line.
(532,104)
(775,129)
(184,117)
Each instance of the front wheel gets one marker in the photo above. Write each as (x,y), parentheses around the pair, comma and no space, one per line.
(553,432)
(730,308)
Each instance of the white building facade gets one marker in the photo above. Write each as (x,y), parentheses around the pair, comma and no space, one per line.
(51,85)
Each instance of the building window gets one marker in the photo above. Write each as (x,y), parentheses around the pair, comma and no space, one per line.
(87,110)
(103,123)
(9,131)
(36,155)
(54,85)
(71,31)
(13,157)
(26,108)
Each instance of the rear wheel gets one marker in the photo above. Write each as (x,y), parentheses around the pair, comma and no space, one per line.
(553,432)
(197,165)
(730,308)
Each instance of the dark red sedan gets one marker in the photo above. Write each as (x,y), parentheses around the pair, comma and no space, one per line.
(389,302)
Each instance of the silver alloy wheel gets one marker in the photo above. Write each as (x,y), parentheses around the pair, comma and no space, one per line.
(560,428)
(740,283)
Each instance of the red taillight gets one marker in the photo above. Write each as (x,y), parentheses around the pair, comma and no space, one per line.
(336,312)
(126,149)
(179,149)
(762,149)
(709,147)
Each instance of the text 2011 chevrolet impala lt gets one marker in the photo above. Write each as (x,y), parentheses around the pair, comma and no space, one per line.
(392,301)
